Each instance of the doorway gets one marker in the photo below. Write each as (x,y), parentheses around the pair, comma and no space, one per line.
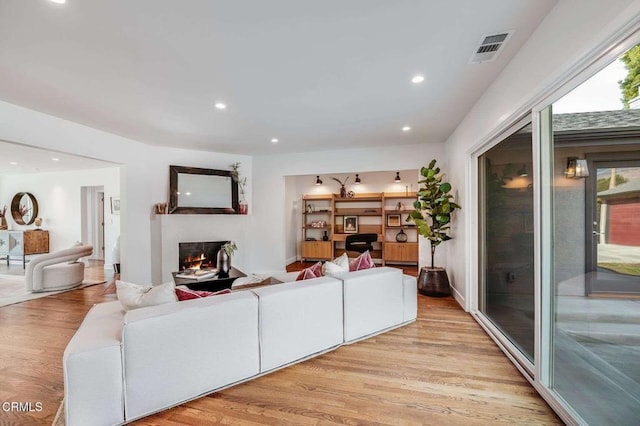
(613,224)
(93,219)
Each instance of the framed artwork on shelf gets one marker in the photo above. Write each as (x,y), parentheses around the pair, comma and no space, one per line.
(393,220)
(350,224)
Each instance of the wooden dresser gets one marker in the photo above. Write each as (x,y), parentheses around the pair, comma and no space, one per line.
(23,243)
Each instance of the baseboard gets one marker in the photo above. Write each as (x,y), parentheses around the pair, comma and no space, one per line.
(291,260)
(458,297)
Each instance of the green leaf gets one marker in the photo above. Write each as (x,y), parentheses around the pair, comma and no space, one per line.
(432,163)
(445,187)
(417,205)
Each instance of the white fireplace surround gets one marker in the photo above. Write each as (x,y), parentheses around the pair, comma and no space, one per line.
(181,228)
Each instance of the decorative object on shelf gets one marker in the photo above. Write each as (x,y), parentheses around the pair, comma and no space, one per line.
(243,207)
(38,223)
(343,190)
(24,208)
(318,224)
(161,208)
(397,178)
(399,206)
(309,208)
(318,181)
(401,237)
(432,215)
(3,218)
(393,220)
(223,258)
(351,194)
(325,236)
(350,224)
(358,181)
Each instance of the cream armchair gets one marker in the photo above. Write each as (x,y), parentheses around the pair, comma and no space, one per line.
(59,270)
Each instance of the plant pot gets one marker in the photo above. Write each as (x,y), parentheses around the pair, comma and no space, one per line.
(434,282)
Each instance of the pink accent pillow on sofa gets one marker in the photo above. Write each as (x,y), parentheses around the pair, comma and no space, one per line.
(314,271)
(306,274)
(185,293)
(363,261)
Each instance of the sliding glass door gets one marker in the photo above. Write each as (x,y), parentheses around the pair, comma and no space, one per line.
(506,291)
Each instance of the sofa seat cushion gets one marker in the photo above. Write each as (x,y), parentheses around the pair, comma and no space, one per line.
(373,301)
(299,319)
(177,351)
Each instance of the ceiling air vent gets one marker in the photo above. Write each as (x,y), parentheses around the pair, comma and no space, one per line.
(490,46)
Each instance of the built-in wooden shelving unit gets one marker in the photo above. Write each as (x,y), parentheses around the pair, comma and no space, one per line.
(381,213)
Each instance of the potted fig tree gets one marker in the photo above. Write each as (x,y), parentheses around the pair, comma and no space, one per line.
(432,216)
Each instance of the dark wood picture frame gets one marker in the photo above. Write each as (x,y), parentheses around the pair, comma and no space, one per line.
(174,172)
(350,224)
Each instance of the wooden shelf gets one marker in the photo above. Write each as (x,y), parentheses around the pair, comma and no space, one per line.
(401,195)
(366,211)
(327,197)
(316,227)
(398,211)
(318,212)
(402,226)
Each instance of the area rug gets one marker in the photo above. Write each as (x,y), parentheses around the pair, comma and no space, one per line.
(13,289)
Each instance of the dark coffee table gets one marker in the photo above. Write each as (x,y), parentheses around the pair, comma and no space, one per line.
(216,283)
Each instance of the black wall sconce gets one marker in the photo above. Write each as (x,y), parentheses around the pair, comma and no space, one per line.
(318,181)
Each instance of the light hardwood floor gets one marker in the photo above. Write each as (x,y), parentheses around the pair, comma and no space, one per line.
(442,369)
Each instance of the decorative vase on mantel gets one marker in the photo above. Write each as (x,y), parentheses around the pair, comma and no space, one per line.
(3,223)
(223,263)
(243,207)
(343,192)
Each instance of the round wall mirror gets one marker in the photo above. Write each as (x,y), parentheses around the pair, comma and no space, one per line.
(24,208)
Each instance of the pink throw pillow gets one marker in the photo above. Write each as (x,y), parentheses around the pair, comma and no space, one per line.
(316,269)
(185,293)
(306,274)
(363,261)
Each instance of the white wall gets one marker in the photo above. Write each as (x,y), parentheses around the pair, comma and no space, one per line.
(567,34)
(271,209)
(60,203)
(144,177)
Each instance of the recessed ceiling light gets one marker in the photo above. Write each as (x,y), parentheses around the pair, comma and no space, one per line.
(13,163)
(220,105)
(406,128)
(59,1)
(417,79)
(55,159)
(274,140)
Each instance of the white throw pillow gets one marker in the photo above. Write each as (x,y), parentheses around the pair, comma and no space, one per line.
(134,296)
(336,266)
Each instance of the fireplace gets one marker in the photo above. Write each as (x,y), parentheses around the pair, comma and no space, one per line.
(198,255)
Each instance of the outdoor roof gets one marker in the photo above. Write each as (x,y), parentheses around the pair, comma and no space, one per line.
(625,188)
(581,121)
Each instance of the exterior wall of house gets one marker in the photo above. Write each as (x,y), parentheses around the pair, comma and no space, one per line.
(566,35)
(624,222)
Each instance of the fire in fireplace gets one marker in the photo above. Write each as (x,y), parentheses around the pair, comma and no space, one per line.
(198,255)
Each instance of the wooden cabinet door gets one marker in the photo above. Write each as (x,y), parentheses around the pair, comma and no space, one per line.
(36,242)
(411,252)
(401,252)
(393,251)
(316,249)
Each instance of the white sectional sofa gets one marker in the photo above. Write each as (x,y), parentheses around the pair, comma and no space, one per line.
(120,366)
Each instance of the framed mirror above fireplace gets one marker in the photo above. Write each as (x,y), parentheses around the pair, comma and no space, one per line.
(194,190)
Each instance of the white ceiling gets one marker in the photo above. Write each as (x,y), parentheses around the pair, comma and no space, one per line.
(317,75)
(34,160)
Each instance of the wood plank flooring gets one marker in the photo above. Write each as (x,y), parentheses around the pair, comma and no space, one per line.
(442,369)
